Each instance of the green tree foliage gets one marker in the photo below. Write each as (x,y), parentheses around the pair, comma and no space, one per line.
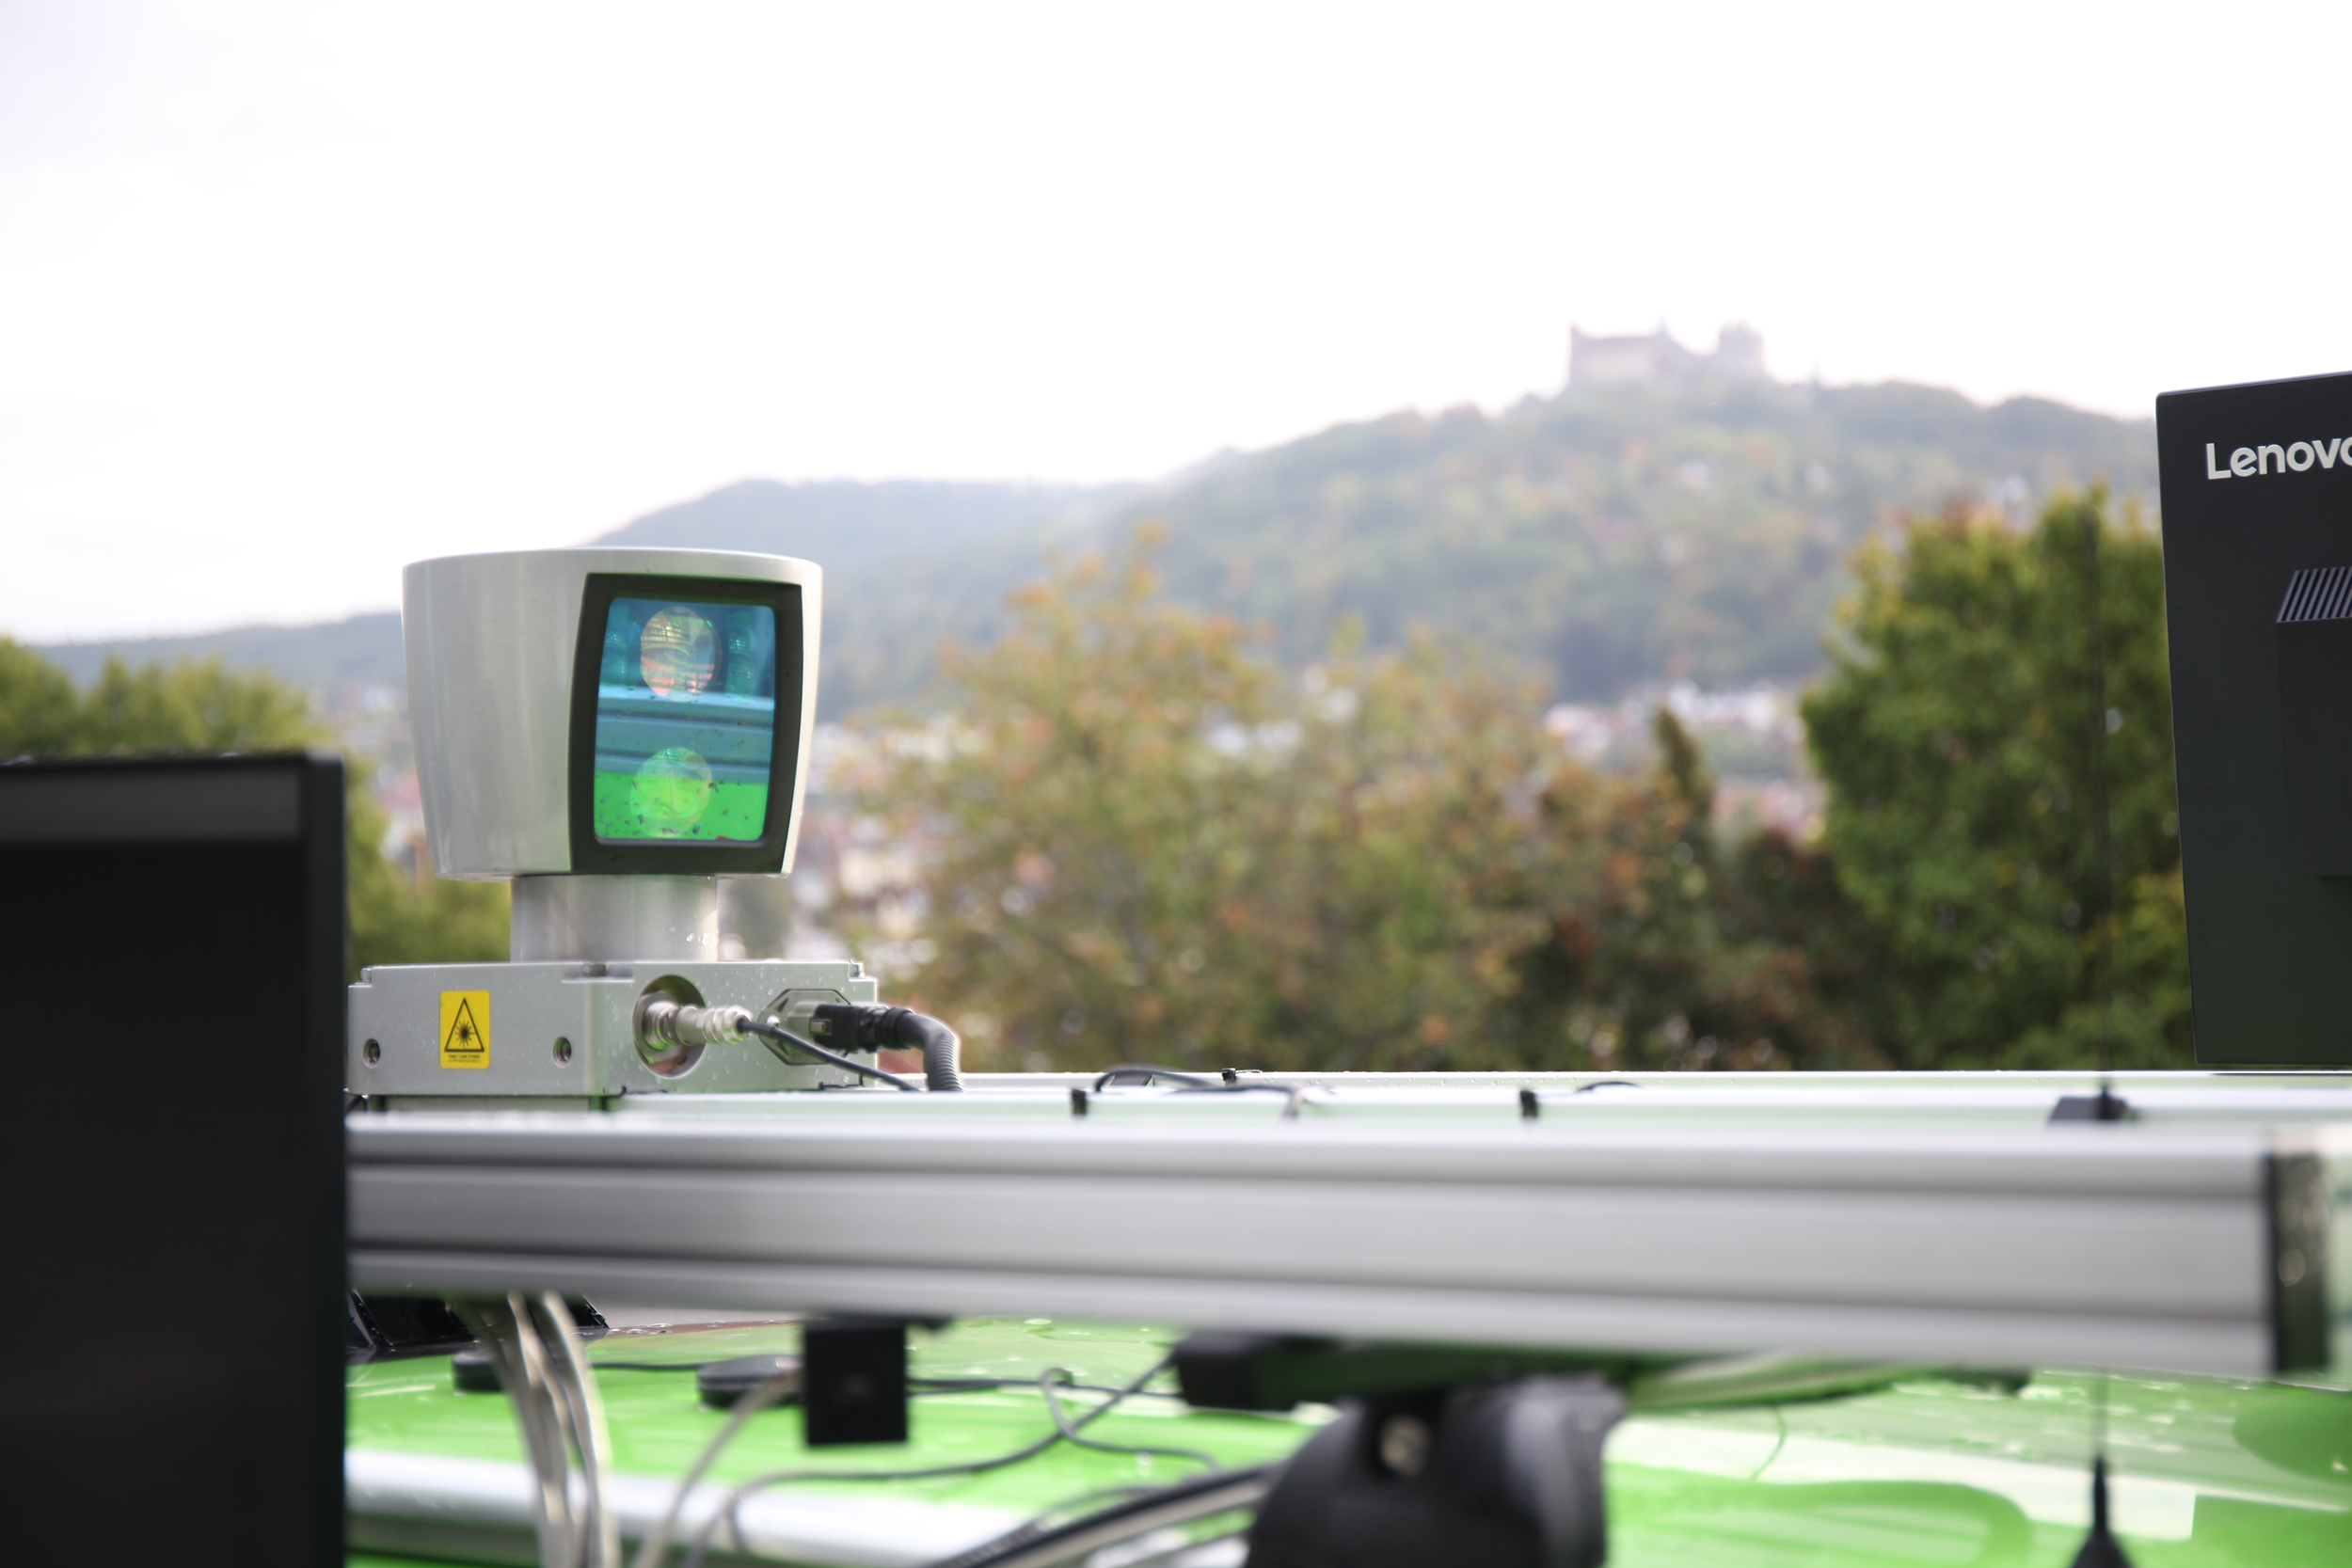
(401,918)
(199,707)
(191,708)
(1960,735)
(196,707)
(40,713)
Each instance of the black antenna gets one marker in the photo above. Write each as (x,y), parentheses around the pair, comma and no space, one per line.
(2099,1548)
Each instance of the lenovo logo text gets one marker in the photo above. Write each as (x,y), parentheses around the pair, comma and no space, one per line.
(2250,462)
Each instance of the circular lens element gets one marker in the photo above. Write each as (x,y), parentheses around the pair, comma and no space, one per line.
(678,651)
(671,792)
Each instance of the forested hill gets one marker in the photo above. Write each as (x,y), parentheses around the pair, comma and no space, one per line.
(1609,538)
(1621,537)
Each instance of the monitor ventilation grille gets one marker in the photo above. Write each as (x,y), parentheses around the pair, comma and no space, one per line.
(2318,593)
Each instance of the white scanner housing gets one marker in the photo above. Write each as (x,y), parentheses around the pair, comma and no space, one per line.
(599,711)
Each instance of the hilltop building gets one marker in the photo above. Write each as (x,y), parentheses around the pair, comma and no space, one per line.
(1655,359)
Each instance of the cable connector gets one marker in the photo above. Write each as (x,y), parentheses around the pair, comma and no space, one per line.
(664,1026)
(669,1030)
(872,1026)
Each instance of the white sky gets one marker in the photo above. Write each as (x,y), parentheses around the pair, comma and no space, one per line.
(292,293)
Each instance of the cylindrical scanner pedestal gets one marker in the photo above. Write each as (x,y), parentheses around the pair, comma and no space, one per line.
(613,919)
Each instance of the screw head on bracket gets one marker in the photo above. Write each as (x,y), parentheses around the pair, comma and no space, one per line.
(1405,1444)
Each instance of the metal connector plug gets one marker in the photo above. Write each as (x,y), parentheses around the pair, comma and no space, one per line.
(667,1029)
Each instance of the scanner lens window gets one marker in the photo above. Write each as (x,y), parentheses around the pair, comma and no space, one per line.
(686,722)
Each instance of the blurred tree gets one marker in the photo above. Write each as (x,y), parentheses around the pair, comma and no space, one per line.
(1624,880)
(39,710)
(1661,950)
(400,918)
(1401,872)
(187,709)
(1961,736)
(1146,845)
(191,708)
(198,708)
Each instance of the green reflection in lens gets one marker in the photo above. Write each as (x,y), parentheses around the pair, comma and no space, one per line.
(671,792)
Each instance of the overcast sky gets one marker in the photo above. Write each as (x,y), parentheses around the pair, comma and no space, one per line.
(292,293)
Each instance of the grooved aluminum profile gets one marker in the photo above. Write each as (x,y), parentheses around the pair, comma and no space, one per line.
(2096,1247)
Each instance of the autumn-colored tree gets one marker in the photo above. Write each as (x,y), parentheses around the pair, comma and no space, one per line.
(1402,874)
(1148,844)
(1143,842)
(1664,949)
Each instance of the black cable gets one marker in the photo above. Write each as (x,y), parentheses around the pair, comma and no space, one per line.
(1194,1083)
(725,1512)
(1070,1433)
(1146,1071)
(1038,1525)
(763,1395)
(872,1027)
(775,1034)
(1780,1420)
(926,1388)
(942,1047)
(1036,1542)
(915,1385)
(1296,1092)
(986,1385)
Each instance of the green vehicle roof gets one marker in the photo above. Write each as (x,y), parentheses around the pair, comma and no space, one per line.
(1921,1472)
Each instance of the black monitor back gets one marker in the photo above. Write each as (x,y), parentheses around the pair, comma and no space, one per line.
(172,1381)
(2257,519)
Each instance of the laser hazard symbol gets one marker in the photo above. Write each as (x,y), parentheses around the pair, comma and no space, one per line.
(465,1028)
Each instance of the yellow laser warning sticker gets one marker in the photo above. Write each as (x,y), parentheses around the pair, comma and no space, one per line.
(465,1028)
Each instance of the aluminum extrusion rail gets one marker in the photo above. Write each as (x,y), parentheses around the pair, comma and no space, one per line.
(2194,1252)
